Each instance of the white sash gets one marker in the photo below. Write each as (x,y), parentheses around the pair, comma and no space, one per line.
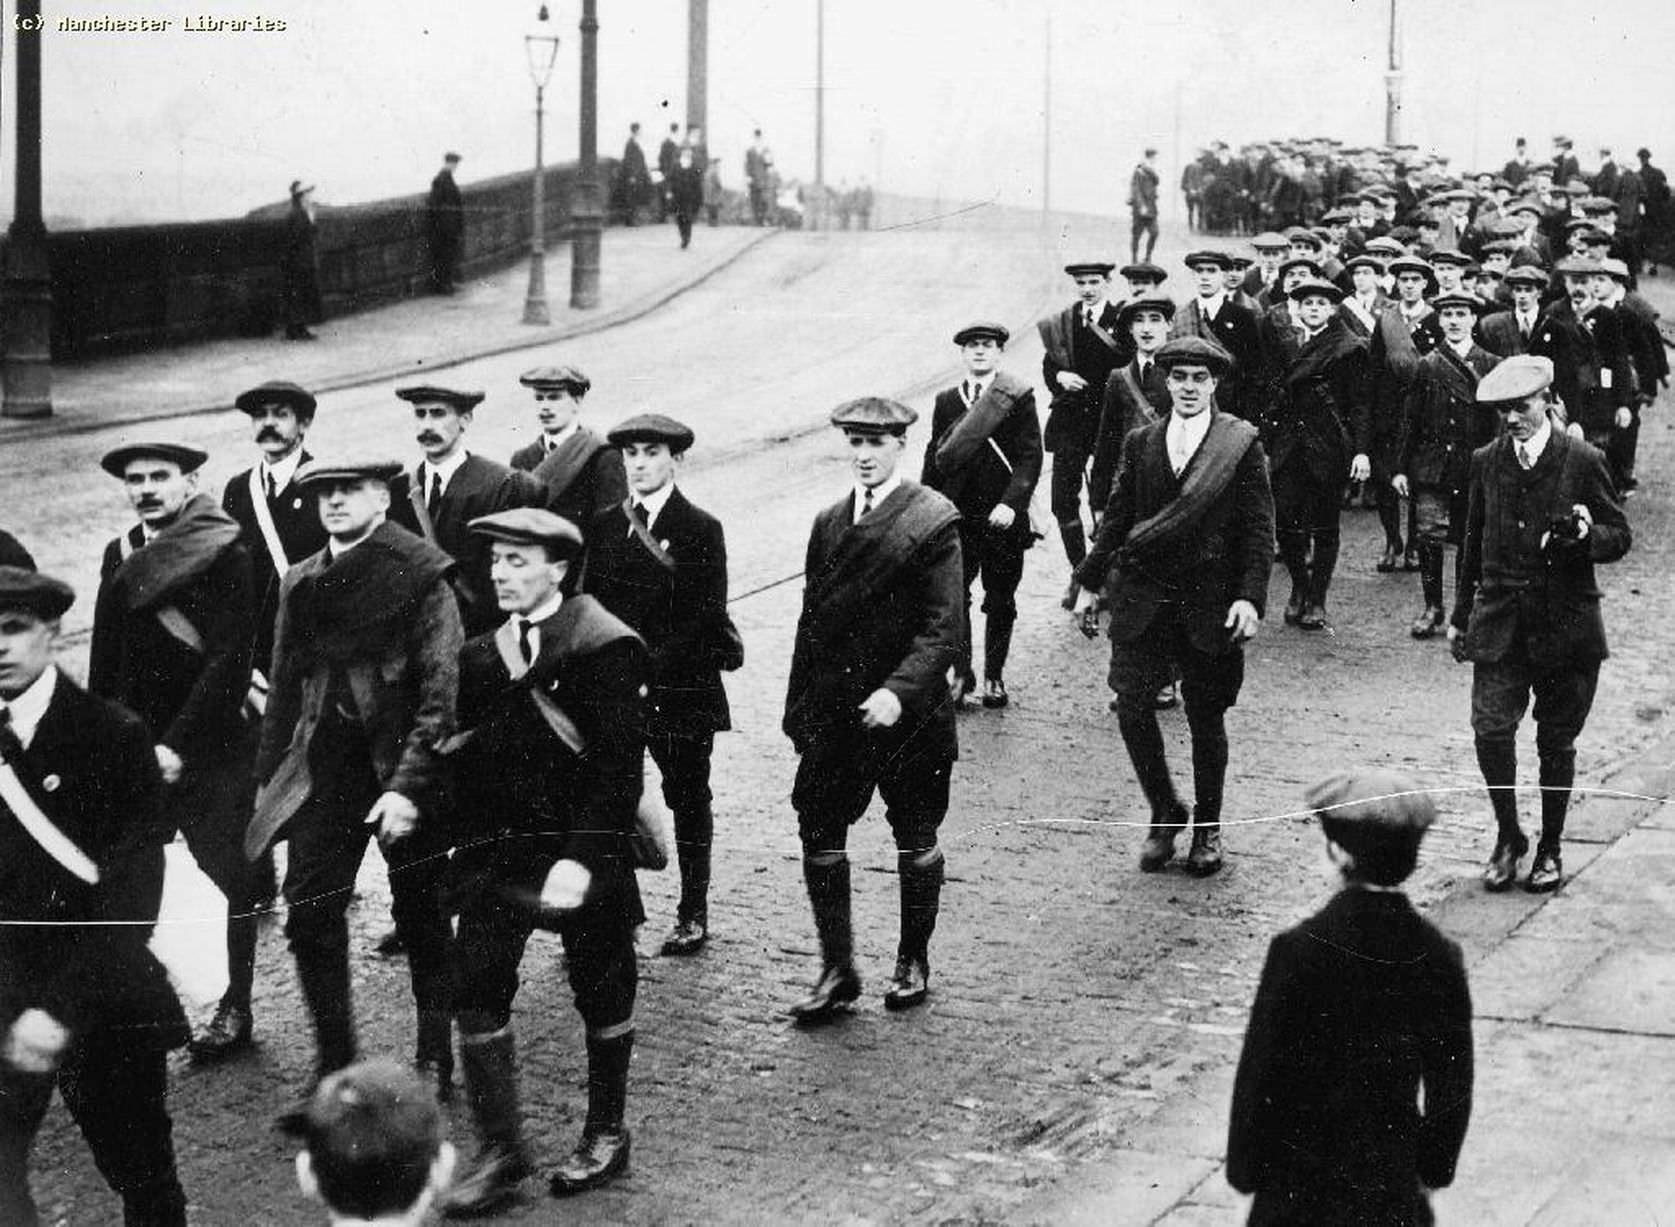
(59,846)
(264,521)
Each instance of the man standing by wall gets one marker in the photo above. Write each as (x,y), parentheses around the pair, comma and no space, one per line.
(445,220)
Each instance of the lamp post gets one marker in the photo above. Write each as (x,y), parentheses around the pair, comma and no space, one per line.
(541,50)
(587,199)
(27,291)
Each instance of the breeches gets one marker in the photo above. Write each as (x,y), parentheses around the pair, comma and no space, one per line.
(1501,690)
(836,779)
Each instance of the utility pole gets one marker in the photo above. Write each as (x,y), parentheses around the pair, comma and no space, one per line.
(697,65)
(1047,120)
(27,292)
(819,201)
(1393,79)
(587,204)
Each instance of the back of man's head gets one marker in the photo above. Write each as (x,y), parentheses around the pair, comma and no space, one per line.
(372,1143)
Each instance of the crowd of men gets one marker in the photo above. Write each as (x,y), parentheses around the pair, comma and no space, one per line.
(470,661)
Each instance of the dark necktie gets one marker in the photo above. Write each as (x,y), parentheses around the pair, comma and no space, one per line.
(1524,327)
(642,514)
(11,748)
(433,504)
(972,391)
(866,502)
(525,648)
(1087,318)
(273,488)
(1147,383)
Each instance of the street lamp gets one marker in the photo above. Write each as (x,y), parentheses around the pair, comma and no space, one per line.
(541,50)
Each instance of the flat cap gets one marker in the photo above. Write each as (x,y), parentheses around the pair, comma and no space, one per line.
(1470,302)
(369,1122)
(1526,205)
(1615,268)
(1270,240)
(1364,260)
(1501,247)
(1145,302)
(1082,268)
(530,526)
(1195,351)
(190,459)
(1450,255)
(1306,238)
(1503,227)
(1576,266)
(981,330)
(1412,264)
(1527,274)
(1308,262)
(375,468)
(1374,798)
(1144,270)
(276,392)
(1598,204)
(434,394)
(26,588)
(562,376)
(1594,238)
(1336,217)
(651,428)
(874,415)
(1384,244)
(1208,256)
(1459,193)
(1316,286)
(1515,378)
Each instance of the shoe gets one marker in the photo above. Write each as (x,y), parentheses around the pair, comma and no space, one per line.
(599,1158)
(1427,624)
(1391,560)
(1502,869)
(390,945)
(1169,696)
(1294,608)
(994,693)
(1546,872)
(1410,559)
(227,1033)
(488,1186)
(1313,617)
(687,937)
(1159,847)
(909,986)
(1204,858)
(836,988)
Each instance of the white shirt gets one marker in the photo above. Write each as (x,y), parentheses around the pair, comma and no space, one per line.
(1090,315)
(653,503)
(277,476)
(1184,436)
(1526,323)
(1305,335)
(535,617)
(1536,443)
(553,440)
(1463,348)
(30,706)
(445,471)
(972,388)
(880,492)
(1211,306)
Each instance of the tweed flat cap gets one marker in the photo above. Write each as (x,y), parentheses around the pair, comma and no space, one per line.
(1195,351)
(530,526)
(434,394)
(651,428)
(357,468)
(29,590)
(1374,797)
(115,461)
(561,376)
(1515,378)
(983,329)
(874,415)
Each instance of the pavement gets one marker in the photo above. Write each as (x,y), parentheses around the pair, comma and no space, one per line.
(1074,1063)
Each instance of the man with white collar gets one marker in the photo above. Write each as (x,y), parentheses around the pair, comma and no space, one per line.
(172,633)
(1213,316)
(451,487)
(1542,512)
(1361,307)
(366,670)
(1505,333)
(1272,250)
(1592,373)
(581,473)
(1184,547)
(1638,320)
(84,1004)
(1405,332)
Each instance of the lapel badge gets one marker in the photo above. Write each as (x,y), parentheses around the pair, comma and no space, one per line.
(663,545)
(296,504)
(51,783)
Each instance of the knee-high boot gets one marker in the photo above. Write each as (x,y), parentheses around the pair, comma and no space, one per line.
(324,976)
(921,898)
(1498,761)
(828,896)
(1558,773)
(491,1085)
(602,1153)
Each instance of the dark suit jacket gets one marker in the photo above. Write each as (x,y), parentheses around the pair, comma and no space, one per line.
(445,208)
(1235,329)
(1444,423)
(1073,417)
(1227,559)
(1500,335)
(1510,590)
(986,481)
(1592,373)
(1321,386)
(92,771)
(601,484)
(1359,1007)
(1392,364)
(678,612)
(1120,413)
(296,518)
(480,487)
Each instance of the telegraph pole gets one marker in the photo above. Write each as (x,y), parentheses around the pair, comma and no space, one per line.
(1047,120)
(587,201)
(819,201)
(27,292)
(1393,79)
(697,65)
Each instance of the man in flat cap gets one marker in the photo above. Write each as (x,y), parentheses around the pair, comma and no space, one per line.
(1405,333)
(1213,316)
(1592,373)
(1082,347)
(1442,426)
(1136,394)
(445,221)
(1364,299)
(172,631)
(1184,550)
(985,457)
(1542,512)
(1310,431)
(1353,1092)
(659,563)
(1637,321)
(1142,205)
(84,1004)
(1272,250)
(868,705)
(1144,277)
(1509,332)
(552,749)
(452,486)
(366,670)
(581,473)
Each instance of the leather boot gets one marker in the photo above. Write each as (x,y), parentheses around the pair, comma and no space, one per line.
(1159,847)
(921,896)
(491,1086)
(433,1056)
(828,896)
(1293,548)
(162,1203)
(1320,581)
(324,977)
(1428,623)
(602,1154)
(691,931)
(1498,761)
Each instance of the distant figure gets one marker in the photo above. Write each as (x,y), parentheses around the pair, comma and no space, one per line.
(1192,187)
(668,154)
(844,199)
(445,215)
(1142,206)
(712,191)
(1517,170)
(633,179)
(686,192)
(302,265)
(863,205)
(758,173)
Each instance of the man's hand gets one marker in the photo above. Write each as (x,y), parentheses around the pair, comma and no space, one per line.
(168,762)
(1070,381)
(1457,644)
(1242,621)
(1002,517)
(1625,417)
(394,816)
(1398,483)
(35,1042)
(1360,468)
(1574,430)
(881,710)
(566,886)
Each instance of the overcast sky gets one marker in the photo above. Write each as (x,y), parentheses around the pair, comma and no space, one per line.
(929,97)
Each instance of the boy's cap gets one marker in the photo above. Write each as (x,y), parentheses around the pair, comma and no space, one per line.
(1373,797)
(373,1112)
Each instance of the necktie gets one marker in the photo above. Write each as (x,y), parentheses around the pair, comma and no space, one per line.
(525,648)
(1146,382)
(1087,317)
(273,488)
(433,504)
(1524,459)
(972,392)
(11,748)
(866,502)
(642,514)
